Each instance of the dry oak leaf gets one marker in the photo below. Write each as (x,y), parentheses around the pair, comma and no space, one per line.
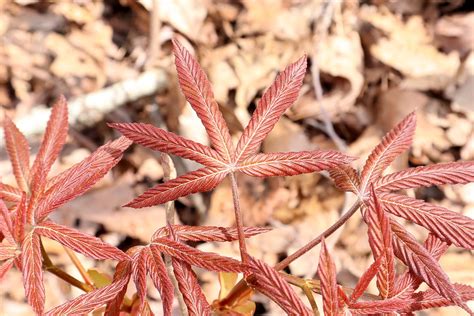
(36,197)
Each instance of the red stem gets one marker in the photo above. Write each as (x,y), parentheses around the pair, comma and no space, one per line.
(238,218)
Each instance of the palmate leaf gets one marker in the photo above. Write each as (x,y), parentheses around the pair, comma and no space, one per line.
(450,226)
(88,302)
(9,193)
(198,92)
(5,267)
(80,177)
(380,241)
(422,263)
(393,144)
(158,139)
(31,264)
(274,102)
(206,260)
(87,245)
(327,275)
(201,180)
(460,172)
(188,285)
(53,141)
(208,233)
(159,276)
(269,282)
(291,163)
(18,151)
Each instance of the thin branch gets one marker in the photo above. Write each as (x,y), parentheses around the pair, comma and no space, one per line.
(77,263)
(49,266)
(238,218)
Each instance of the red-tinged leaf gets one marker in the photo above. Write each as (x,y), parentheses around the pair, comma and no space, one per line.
(365,279)
(87,245)
(422,263)
(9,193)
(431,299)
(201,180)
(345,178)
(18,150)
(408,282)
(207,260)
(450,226)
(123,271)
(7,251)
(88,302)
(377,307)
(188,286)
(269,282)
(291,163)
(209,233)
(80,177)
(198,92)
(53,140)
(274,102)
(380,241)
(393,144)
(158,139)
(327,275)
(139,272)
(20,219)
(6,223)
(159,276)
(5,267)
(31,263)
(460,172)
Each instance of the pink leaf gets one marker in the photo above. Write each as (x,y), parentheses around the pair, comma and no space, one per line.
(53,140)
(365,279)
(159,276)
(90,301)
(394,143)
(198,92)
(139,272)
(327,275)
(6,224)
(9,193)
(269,282)
(80,177)
(209,233)
(274,102)
(431,299)
(122,274)
(460,172)
(345,178)
(31,263)
(20,220)
(422,263)
(206,260)
(7,251)
(291,163)
(377,307)
(201,180)
(380,241)
(5,267)
(450,226)
(188,286)
(18,150)
(80,242)
(158,139)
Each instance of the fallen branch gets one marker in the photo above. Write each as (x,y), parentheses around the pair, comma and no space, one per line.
(89,109)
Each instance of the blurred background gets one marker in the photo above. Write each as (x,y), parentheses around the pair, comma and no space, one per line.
(370,64)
